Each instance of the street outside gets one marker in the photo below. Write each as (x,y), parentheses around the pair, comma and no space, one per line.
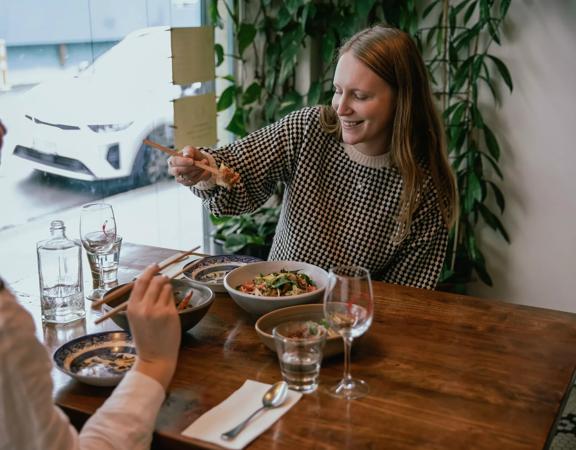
(28,194)
(164,214)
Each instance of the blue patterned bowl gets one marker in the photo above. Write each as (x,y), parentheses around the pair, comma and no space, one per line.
(100,359)
(211,270)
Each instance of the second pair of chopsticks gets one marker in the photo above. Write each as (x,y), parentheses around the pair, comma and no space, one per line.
(122,306)
(128,286)
(171,152)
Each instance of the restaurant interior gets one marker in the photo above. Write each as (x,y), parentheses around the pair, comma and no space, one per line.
(98,98)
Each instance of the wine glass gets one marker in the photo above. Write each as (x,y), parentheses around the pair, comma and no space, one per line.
(349,308)
(98,234)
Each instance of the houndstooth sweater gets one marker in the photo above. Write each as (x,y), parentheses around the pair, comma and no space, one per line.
(339,206)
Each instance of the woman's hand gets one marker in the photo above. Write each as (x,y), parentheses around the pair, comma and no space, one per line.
(184,168)
(155,326)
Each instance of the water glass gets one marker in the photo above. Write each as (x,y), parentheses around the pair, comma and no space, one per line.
(98,235)
(299,346)
(105,263)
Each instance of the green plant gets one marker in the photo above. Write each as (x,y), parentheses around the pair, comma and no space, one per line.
(270,36)
(462,69)
(237,232)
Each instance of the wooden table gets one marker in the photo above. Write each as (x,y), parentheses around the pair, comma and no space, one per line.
(445,372)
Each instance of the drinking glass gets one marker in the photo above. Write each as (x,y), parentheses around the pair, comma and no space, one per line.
(299,346)
(349,308)
(105,263)
(98,235)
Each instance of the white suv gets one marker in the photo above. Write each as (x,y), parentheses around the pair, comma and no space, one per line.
(91,126)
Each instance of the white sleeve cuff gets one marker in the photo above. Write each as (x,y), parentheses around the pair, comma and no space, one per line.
(127,416)
(132,386)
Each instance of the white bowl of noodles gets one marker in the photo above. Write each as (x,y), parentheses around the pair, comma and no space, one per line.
(261,287)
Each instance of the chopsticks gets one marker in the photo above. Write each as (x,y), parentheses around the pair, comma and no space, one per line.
(179,257)
(122,306)
(171,152)
(128,286)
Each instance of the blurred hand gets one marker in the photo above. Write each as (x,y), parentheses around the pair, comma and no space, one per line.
(155,326)
(2,134)
(183,168)
(5,294)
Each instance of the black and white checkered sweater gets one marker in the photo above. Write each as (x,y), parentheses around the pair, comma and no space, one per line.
(339,206)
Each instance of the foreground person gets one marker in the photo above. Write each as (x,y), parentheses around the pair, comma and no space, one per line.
(29,420)
(367,179)
(3,132)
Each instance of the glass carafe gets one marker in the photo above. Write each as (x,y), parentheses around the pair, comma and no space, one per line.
(60,277)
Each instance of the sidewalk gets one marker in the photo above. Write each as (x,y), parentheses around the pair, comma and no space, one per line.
(165,215)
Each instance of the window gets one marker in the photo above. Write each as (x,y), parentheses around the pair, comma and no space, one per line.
(85,81)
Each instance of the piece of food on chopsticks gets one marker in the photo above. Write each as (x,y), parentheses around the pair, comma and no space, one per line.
(225,176)
(185,301)
(279,284)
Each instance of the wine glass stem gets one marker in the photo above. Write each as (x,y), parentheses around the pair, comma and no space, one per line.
(347,350)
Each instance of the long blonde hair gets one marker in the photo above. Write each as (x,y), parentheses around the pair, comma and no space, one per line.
(417,145)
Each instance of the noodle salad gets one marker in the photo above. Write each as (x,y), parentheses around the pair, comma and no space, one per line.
(279,284)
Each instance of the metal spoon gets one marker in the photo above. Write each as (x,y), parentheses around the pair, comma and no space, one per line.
(272,398)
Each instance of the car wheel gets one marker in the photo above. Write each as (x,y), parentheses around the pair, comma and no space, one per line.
(151,165)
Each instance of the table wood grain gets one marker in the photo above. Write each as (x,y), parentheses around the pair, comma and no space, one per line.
(445,371)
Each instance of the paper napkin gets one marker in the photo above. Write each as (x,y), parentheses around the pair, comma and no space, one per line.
(234,410)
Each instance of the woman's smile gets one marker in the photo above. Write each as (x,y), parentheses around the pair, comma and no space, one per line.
(350,123)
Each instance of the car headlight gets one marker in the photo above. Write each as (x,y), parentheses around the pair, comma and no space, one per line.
(109,128)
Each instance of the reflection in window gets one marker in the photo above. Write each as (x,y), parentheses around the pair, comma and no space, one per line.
(85,82)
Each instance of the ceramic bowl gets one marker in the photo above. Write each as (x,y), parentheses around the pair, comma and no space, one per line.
(259,305)
(199,305)
(100,359)
(211,270)
(265,324)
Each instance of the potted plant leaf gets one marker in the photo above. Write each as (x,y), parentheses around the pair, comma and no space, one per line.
(466,75)
(247,234)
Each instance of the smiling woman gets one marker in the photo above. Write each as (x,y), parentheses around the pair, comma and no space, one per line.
(375,160)
(413,134)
